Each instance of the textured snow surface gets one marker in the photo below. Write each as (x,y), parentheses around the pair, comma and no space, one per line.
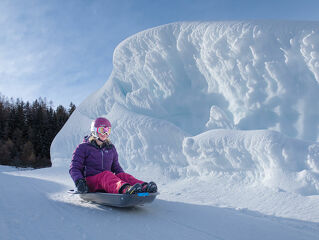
(173,86)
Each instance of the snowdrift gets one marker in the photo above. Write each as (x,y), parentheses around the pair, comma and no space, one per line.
(194,99)
(266,157)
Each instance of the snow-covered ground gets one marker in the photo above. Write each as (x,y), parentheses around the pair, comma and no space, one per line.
(222,115)
(34,206)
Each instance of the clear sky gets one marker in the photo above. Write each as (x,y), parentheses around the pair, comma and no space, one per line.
(62,49)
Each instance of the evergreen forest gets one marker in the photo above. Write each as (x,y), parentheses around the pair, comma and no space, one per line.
(28,129)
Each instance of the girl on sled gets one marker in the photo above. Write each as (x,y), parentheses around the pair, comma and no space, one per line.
(95,166)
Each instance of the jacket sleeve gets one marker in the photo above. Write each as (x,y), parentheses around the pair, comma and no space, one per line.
(77,163)
(116,167)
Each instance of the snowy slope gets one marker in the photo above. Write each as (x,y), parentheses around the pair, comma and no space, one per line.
(222,115)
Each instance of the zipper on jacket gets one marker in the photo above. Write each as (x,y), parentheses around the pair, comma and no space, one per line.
(102,161)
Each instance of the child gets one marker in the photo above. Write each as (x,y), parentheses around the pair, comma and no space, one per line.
(95,165)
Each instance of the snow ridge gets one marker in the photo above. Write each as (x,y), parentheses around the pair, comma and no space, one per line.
(202,98)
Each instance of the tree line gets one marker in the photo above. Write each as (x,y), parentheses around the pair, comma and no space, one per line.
(28,129)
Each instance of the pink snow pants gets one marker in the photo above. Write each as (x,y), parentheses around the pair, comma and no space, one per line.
(109,182)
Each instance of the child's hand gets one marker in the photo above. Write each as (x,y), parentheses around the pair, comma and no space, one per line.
(82,186)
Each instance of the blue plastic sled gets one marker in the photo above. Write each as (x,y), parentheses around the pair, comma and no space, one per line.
(117,200)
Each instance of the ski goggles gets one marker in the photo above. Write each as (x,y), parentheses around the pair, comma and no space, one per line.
(103,130)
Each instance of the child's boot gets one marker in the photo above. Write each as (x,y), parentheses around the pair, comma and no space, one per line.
(150,187)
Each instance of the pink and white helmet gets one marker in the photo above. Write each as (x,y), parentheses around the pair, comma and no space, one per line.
(100,125)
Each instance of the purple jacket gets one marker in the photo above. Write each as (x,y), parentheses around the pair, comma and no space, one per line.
(89,159)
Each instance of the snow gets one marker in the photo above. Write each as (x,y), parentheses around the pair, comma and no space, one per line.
(222,115)
(44,211)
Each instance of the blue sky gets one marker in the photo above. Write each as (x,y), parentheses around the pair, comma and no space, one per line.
(62,49)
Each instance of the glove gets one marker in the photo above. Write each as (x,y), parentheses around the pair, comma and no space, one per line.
(82,186)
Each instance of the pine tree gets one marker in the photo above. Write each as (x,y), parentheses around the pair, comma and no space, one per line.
(71,108)
(6,152)
(61,115)
(3,116)
(18,144)
(27,155)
